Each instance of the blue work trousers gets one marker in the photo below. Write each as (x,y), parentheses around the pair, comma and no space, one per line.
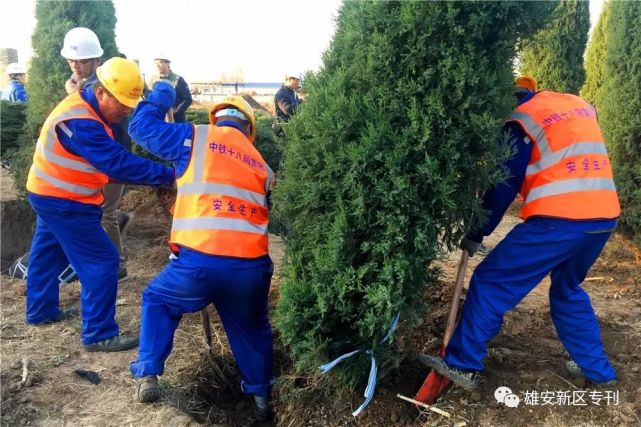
(69,232)
(527,254)
(238,288)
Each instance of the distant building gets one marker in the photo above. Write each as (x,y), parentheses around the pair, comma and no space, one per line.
(7,56)
(209,92)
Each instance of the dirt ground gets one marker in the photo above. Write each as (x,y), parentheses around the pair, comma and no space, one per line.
(39,386)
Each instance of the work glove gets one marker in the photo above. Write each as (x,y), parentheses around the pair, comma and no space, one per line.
(470,245)
(269,200)
(163,94)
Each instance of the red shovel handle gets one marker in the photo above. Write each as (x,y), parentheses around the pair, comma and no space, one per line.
(435,383)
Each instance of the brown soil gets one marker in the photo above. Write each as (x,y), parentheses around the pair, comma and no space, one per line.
(16,221)
(525,356)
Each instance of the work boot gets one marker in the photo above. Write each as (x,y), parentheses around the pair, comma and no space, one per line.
(468,380)
(574,370)
(484,250)
(262,409)
(147,389)
(117,343)
(64,314)
(122,275)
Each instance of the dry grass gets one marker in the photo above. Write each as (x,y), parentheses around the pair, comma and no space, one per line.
(525,355)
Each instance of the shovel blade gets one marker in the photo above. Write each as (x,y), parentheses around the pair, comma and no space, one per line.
(432,388)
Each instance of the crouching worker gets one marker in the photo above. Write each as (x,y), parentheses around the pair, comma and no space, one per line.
(74,159)
(562,170)
(220,227)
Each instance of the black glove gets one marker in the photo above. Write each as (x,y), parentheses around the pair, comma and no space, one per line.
(470,245)
(269,200)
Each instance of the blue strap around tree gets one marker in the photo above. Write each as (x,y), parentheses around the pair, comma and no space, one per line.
(373,370)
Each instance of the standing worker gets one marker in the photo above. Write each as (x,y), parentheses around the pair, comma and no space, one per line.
(571,207)
(286,100)
(15,90)
(74,159)
(220,229)
(82,51)
(183,96)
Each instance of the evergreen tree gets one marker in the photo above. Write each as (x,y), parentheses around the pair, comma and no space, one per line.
(554,56)
(49,70)
(12,115)
(595,57)
(383,164)
(619,105)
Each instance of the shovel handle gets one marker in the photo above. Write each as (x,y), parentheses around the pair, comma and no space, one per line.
(204,318)
(458,290)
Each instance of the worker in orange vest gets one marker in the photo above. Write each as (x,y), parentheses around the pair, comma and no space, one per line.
(74,159)
(562,170)
(219,228)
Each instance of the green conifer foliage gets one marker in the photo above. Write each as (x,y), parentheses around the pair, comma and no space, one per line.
(619,105)
(383,164)
(554,56)
(12,116)
(595,57)
(49,70)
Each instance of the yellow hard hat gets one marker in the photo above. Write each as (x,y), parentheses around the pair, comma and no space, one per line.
(241,105)
(526,82)
(122,78)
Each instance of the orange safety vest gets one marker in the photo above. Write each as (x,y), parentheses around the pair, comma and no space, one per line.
(56,172)
(569,174)
(221,205)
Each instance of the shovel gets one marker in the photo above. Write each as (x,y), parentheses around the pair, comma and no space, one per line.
(218,371)
(436,383)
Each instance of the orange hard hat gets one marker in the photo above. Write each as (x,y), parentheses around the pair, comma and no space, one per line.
(526,82)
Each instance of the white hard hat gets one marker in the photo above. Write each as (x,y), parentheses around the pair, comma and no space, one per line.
(161,55)
(15,68)
(81,43)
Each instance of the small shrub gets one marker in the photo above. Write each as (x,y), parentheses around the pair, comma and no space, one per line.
(12,117)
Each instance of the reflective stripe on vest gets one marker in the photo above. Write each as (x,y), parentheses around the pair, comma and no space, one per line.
(200,137)
(47,148)
(228,190)
(56,172)
(569,186)
(218,224)
(569,173)
(550,158)
(221,206)
(532,128)
(72,188)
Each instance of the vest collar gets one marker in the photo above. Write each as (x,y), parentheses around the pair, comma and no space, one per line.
(526,98)
(229,123)
(90,98)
